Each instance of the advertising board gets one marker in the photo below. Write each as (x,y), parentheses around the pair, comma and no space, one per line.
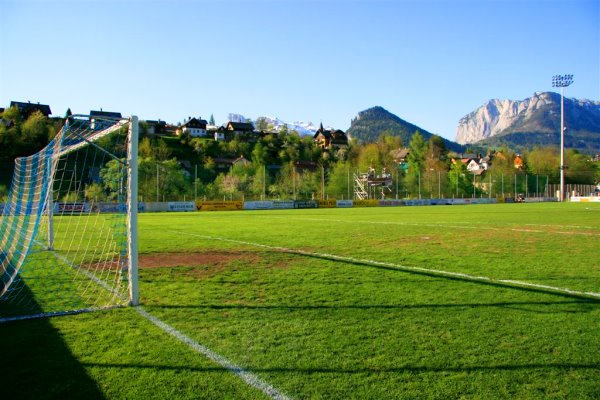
(306,204)
(365,203)
(585,199)
(283,204)
(156,206)
(219,205)
(390,203)
(258,205)
(112,207)
(71,208)
(327,203)
(181,206)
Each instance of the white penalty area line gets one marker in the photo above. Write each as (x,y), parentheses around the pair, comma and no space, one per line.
(248,377)
(507,282)
(453,225)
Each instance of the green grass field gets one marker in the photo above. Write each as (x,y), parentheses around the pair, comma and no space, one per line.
(339,303)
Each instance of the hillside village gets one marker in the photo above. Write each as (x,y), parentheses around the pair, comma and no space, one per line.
(245,159)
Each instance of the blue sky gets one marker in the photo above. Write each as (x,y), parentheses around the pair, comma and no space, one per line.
(430,62)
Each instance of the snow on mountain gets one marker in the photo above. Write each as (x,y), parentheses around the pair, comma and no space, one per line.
(303,128)
(233,117)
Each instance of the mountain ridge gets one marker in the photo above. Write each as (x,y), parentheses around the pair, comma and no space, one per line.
(533,121)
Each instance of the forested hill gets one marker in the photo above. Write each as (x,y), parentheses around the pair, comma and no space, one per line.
(373,122)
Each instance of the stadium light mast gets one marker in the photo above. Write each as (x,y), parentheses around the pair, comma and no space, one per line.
(562,81)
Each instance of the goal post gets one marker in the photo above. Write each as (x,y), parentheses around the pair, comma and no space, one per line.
(132,211)
(68,231)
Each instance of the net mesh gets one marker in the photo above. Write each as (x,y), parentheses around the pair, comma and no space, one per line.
(63,230)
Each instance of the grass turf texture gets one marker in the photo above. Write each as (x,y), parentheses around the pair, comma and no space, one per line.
(317,328)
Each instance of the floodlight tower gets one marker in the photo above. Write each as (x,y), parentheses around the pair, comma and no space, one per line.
(562,81)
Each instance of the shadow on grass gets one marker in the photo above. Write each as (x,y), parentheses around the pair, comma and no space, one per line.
(584,306)
(447,275)
(403,369)
(441,275)
(37,363)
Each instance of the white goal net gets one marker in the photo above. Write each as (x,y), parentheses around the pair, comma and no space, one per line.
(68,240)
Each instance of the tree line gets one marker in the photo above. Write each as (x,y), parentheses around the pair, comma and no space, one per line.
(272,171)
(285,165)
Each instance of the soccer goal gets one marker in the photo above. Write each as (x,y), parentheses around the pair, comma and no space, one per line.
(68,231)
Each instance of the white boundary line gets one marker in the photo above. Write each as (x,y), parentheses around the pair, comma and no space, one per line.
(248,377)
(460,275)
(452,225)
(91,276)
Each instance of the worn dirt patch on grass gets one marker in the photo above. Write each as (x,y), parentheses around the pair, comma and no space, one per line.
(210,258)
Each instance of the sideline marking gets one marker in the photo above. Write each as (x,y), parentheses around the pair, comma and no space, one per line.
(248,377)
(507,282)
(565,226)
(448,225)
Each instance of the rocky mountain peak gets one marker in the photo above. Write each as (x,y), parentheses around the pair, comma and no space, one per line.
(539,113)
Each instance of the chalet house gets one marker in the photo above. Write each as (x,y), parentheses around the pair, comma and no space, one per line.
(98,119)
(486,162)
(467,158)
(228,163)
(219,133)
(222,163)
(26,109)
(156,127)
(338,139)
(477,164)
(475,167)
(330,139)
(472,161)
(216,132)
(242,130)
(239,127)
(400,155)
(241,161)
(194,127)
